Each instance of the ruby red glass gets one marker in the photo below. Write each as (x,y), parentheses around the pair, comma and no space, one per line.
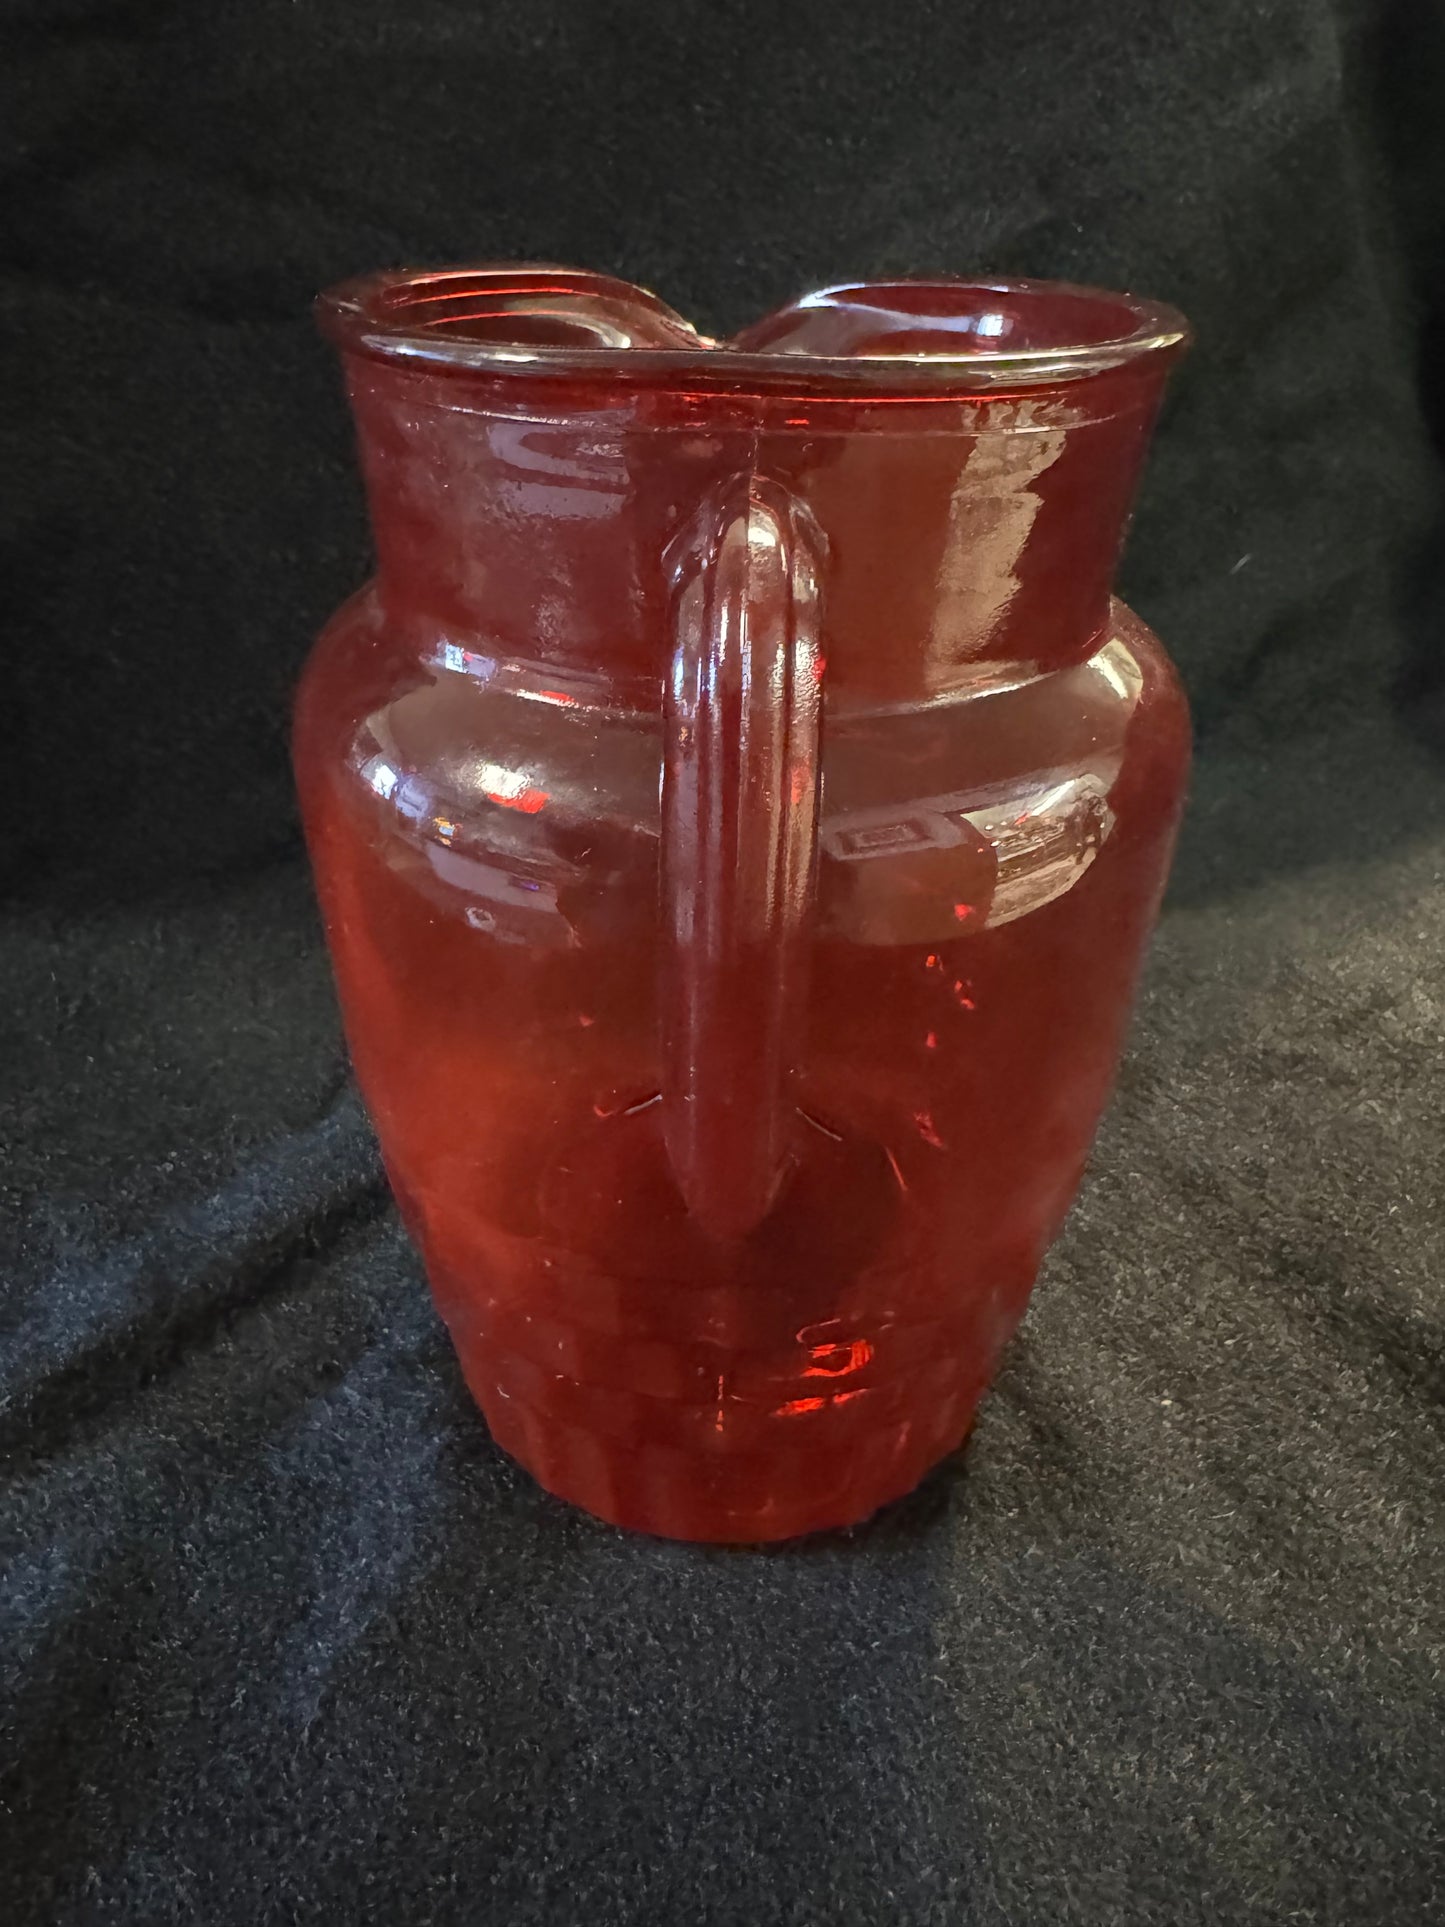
(739,810)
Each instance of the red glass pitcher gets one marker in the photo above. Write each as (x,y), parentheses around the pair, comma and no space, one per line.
(738,811)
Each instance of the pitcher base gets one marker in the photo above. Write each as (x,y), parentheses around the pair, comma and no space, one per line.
(825,1471)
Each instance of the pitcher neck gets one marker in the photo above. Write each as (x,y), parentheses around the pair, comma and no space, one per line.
(963,542)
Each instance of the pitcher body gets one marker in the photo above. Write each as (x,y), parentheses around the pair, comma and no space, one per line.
(738,810)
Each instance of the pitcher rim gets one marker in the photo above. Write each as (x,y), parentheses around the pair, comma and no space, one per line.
(374,315)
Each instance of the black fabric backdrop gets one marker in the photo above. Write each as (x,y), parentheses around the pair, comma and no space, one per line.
(285,1638)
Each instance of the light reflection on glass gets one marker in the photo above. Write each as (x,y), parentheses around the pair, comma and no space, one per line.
(381,777)
(837,1361)
(1025,844)
(512,788)
(797,1407)
(466,662)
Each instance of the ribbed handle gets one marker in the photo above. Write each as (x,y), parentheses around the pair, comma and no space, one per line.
(739,817)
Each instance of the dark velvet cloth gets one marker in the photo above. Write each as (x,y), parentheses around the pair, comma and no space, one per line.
(285,1638)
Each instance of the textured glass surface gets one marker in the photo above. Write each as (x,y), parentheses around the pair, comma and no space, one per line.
(739,811)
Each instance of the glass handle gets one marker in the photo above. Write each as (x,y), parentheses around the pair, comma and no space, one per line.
(739,821)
